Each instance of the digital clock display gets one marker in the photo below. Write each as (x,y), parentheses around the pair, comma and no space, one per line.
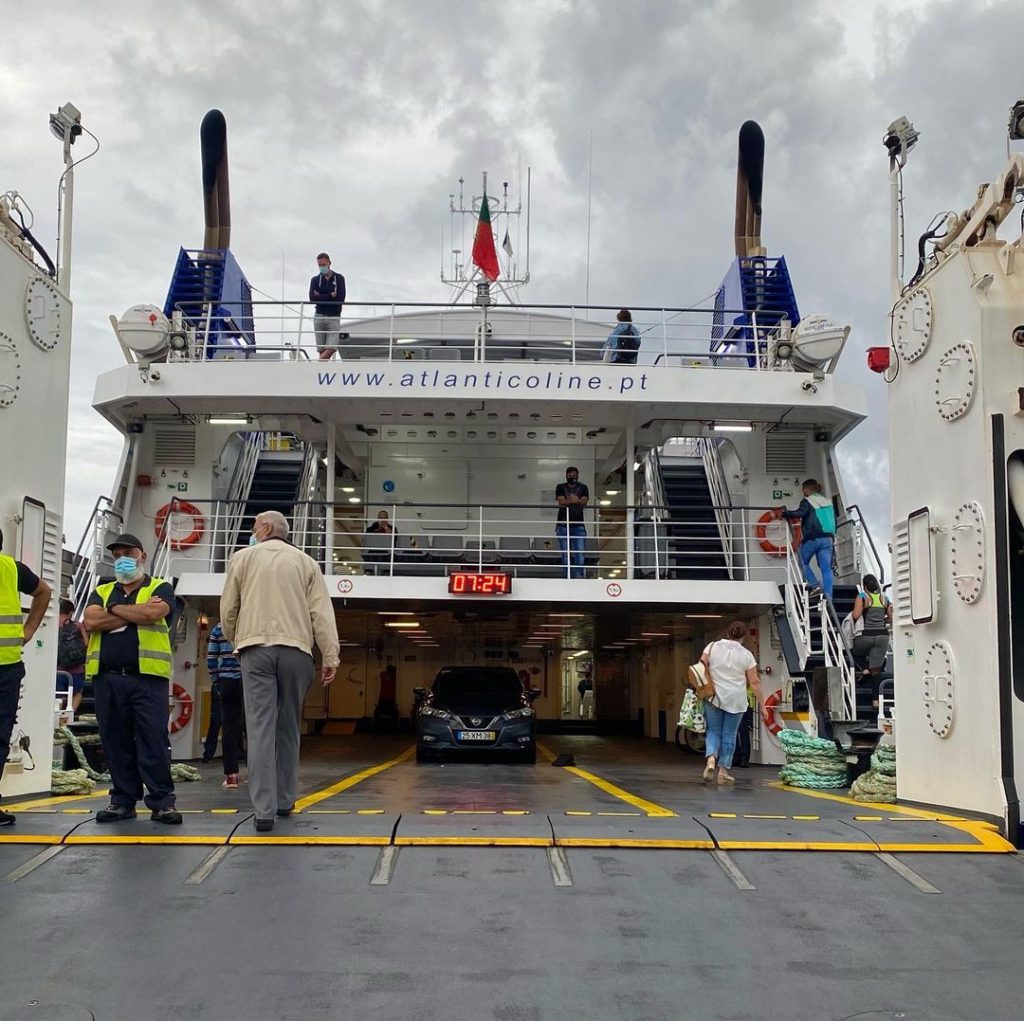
(493,583)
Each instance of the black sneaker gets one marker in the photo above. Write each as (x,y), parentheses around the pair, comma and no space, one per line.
(264,825)
(6,819)
(170,816)
(115,813)
(283,813)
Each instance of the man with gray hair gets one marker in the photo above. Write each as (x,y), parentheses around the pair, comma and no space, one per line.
(274,608)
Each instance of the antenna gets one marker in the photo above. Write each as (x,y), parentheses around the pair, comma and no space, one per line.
(590,188)
(507,212)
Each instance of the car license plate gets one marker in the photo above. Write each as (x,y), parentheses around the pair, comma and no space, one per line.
(475,735)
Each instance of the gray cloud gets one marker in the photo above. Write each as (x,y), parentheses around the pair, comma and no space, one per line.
(348,126)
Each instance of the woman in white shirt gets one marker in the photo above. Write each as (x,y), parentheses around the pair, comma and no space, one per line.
(732,667)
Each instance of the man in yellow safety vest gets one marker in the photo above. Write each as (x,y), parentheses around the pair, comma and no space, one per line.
(16,630)
(129,661)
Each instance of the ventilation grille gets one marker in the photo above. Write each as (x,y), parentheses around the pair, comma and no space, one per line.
(174,447)
(901,568)
(786,453)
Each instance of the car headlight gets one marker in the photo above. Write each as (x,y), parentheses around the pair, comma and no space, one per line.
(427,710)
(519,714)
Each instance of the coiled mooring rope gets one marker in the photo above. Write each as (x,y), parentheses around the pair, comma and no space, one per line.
(879,782)
(811,762)
(85,779)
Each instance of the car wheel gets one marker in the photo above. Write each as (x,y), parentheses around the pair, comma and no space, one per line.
(530,756)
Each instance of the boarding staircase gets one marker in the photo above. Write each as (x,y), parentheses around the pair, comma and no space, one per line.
(276,485)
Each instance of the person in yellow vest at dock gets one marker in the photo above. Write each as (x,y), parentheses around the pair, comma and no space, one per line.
(16,630)
(129,661)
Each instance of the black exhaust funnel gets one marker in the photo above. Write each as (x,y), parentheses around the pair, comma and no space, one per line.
(213,139)
(749,187)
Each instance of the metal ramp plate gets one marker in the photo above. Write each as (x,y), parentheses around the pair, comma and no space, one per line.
(629,829)
(319,827)
(474,828)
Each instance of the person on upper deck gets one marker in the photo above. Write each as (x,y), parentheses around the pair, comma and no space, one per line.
(623,342)
(817,519)
(572,497)
(327,291)
(382,524)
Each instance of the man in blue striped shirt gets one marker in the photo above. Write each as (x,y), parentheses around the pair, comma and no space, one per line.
(226,674)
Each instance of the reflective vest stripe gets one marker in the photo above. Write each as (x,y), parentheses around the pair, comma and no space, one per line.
(155,656)
(12,623)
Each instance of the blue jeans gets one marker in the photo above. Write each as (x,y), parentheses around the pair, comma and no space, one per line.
(577,535)
(820,550)
(720,737)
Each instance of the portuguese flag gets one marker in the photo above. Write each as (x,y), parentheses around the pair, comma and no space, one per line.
(484,254)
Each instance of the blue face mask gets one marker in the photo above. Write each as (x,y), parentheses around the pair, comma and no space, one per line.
(324,270)
(126,568)
(253,540)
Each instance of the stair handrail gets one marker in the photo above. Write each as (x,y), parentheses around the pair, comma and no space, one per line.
(855,517)
(305,495)
(721,498)
(798,606)
(240,486)
(89,552)
(837,656)
(657,501)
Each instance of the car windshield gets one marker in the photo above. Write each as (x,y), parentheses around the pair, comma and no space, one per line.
(465,684)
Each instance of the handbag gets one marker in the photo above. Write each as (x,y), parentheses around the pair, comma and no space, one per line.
(691,713)
(700,680)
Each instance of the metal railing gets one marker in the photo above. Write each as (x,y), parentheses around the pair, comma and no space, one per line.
(864,557)
(436,539)
(404,332)
(91,550)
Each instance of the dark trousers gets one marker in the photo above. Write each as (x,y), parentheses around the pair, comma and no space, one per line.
(132,712)
(210,744)
(11,676)
(231,712)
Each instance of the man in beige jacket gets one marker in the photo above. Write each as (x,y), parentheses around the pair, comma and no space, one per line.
(274,608)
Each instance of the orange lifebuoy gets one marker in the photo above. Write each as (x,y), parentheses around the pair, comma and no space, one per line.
(769,707)
(180,507)
(761,534)
(185,706)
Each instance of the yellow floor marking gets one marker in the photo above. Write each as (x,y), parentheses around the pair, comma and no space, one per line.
(808,818)
(516,811)
(370,811)
(367,841)
(435,811)
(984,833)
(793,845)
(648,807)
(868,818)
(766,817)
(598,842)
(721,815)
(621,815)
(578,813)
(494,841)
(329,811)
(350,781)
(223,811)
(63,799)
(30,838)
(112,838)
(76,811)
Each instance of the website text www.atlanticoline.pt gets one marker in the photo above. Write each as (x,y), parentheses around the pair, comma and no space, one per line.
(551,381)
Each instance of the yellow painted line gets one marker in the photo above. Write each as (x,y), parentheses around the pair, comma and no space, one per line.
(61,799)
(621,815)
(649,808)
(517,811)
(1001,848)
(808,818)
(638,842)
(766,817)
(983,832)
(578,813)
(370,811)
(353,841)
(435,811)
(329,811)
(103,838)
(350,781)
(30,838)
(721,815)
(794,845)
(223,811)
(76,811)
(494,841)
(191,811)
(868,818)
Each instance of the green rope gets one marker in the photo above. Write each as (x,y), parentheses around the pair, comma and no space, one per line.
(85,779)
(811,762)
(878,784)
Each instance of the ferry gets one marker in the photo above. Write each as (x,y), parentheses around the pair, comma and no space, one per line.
(457,421)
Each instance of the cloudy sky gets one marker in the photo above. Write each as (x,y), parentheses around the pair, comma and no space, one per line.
(349,122)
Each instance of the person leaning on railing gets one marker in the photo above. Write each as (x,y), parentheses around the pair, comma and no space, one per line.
(327,291)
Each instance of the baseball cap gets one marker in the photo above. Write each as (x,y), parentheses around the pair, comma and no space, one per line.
(126,539)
